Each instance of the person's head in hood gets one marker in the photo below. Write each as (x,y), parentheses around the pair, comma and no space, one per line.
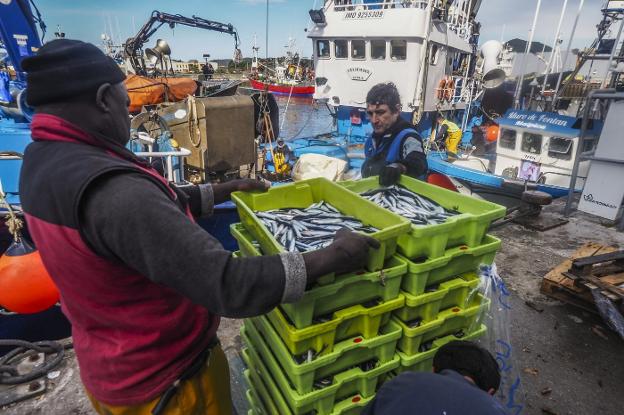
(76,81)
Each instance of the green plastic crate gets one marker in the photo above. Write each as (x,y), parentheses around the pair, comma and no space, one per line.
(456,261)
(346,354)
(353,321)
(467,228)
(303,194)
(341,291)
(423,362)
(451,293)
(273,402)
(351,384)
(246,244)
(448,322)
(256,405)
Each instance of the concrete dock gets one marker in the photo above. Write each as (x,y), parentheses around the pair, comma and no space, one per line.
(569,362)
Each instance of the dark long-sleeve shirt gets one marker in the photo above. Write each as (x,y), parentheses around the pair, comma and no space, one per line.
(423,393)
(413,156)
(127,218)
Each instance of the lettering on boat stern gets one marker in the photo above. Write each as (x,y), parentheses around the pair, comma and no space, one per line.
(368,14)
(358,73)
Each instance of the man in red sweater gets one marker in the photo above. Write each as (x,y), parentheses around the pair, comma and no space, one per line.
(141,283)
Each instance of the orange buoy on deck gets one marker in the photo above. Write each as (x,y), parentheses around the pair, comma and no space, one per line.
(25,285)
(491,133)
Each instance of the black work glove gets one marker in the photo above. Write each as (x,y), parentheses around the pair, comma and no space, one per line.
(222,191)
(348,253)
(391,174)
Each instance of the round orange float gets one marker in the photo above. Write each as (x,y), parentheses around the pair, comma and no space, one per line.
(25,285)
(491,133)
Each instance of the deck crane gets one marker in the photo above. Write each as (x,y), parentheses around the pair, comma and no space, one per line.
(133,47)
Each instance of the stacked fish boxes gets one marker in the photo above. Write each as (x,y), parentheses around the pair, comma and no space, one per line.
(330,352)
(441,287)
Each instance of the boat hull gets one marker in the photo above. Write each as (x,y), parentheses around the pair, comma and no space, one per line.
(437,163)
(307,90)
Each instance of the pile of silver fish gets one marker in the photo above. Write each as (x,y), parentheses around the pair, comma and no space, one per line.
(303,230)
(418,209)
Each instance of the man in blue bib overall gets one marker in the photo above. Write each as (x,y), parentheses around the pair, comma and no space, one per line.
(395,147)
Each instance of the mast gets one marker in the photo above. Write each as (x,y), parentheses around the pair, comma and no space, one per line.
(569,48)
(555,46)
(524,58)
(266,45)
(605,81)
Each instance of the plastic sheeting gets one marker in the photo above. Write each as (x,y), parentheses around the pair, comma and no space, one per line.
(149,91)
(310,166)
(498,338)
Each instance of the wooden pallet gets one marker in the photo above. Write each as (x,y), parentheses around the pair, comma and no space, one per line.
(563,286)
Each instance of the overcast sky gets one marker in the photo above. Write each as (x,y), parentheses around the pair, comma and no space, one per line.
(87,20)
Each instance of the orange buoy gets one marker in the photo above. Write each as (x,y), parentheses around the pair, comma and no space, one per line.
(491,133)
(450,90)
(441,180)
(25,285)
(441,89)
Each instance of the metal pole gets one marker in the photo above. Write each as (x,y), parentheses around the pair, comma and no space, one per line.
(579,151)
(266,44)
(524,59)
(555,45)
(615,47)
(567,54)
(423,55)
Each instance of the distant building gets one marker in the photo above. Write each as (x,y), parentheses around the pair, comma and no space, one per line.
(190,66)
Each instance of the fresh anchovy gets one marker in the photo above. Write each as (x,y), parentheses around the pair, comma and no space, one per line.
(303,230)
(418,209)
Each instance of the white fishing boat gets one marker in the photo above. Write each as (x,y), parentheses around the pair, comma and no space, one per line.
(427,48)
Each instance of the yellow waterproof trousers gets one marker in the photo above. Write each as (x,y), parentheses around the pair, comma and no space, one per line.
(206,393)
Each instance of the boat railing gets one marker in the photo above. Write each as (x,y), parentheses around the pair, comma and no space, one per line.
(173,173)
(363,5)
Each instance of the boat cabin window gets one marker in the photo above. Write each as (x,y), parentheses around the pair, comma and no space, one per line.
(341,49)
(532,143)
(378,49)
(560,148)
(398,50)
(322,48)
(508,139)
(358,49)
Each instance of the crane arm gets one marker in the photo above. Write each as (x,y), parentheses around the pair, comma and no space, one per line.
(18,32)
(134,45)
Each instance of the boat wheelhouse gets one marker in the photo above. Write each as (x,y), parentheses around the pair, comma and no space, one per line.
(427,48)
(535,150)
(541,147)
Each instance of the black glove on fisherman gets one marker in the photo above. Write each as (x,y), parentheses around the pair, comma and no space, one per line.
(348,253)
(391,174)
(222,191)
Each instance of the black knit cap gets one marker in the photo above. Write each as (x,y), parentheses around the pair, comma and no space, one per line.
(65,68)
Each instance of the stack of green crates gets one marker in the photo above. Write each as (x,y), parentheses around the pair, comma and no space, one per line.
(329,352)
(441,287)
